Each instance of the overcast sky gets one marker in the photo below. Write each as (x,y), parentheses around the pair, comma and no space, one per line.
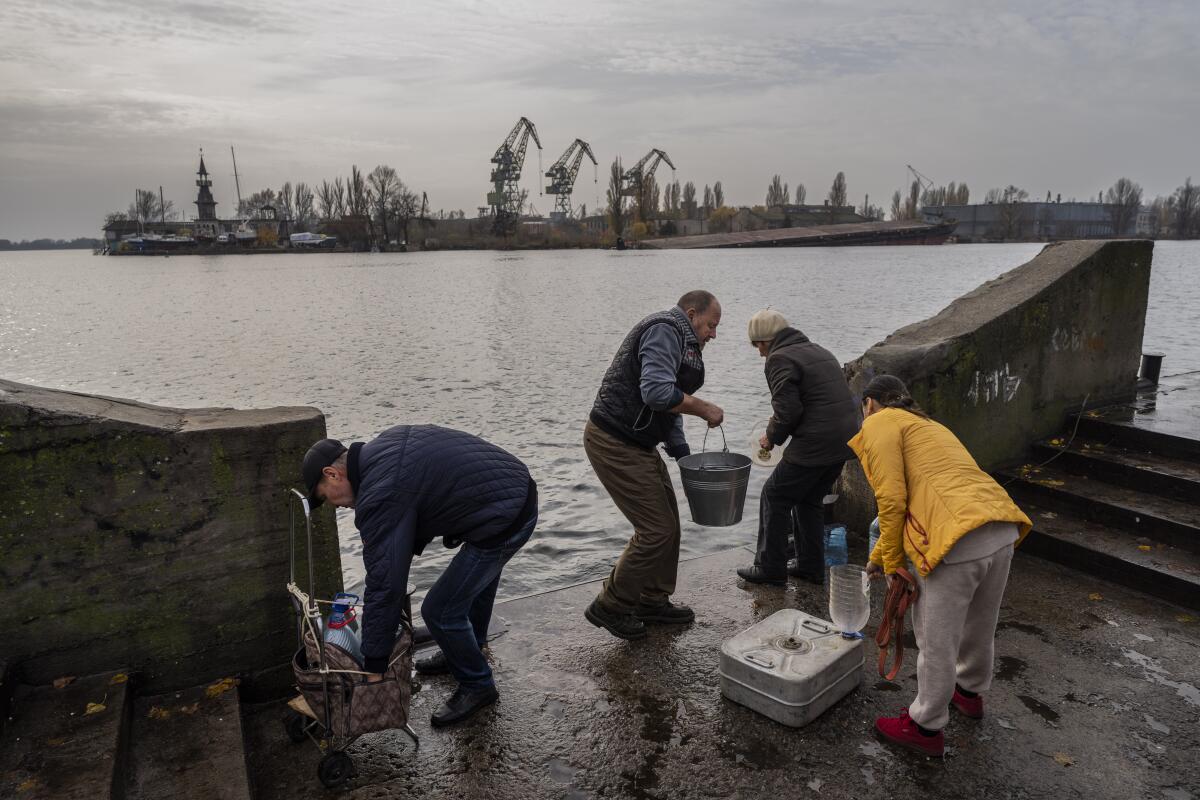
(99,97)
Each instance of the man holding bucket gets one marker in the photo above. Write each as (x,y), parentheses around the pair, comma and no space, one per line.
(811,403)
(651,382)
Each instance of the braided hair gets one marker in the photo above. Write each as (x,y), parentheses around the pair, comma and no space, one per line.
(890,392)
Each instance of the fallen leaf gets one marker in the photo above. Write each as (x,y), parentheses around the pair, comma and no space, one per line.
(158,712)
(1064,760)
(1050,482)
(1185,618)
(1095,596)
(26,785)
(221,687)
(67,680)
(192,709)
(118,679)
(94,708)
(1145,548)
(1008,726)
(57,741)
(815,784)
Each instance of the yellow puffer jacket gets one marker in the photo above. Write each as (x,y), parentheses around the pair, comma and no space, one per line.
(929,489)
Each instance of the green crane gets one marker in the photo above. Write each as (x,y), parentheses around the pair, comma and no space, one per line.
(635,176)
(506,197)
(562,174)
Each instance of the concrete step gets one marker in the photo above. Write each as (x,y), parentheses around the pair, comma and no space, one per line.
(1113,428)
(1160,570)
(188,746)
(1173,522)
(67,743)
(1148,472)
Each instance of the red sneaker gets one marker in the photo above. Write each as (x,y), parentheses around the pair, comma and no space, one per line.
(969,706)
(903,731)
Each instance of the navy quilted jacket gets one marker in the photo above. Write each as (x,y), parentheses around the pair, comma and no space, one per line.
(412,484)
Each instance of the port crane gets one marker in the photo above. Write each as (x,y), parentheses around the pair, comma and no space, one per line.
(562,174)
(635,176)
(505,198)
(925,183)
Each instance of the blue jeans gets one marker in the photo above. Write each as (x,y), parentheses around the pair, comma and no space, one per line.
(458,608)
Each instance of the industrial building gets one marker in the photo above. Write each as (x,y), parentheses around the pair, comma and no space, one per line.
(1027,220)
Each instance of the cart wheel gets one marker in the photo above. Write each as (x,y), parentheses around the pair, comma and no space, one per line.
(295,724)
(335,769)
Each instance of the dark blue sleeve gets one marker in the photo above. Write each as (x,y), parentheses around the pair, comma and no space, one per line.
(388,532)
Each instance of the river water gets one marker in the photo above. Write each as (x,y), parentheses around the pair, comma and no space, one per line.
(509,346)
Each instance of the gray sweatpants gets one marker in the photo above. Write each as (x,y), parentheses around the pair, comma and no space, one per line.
(954,620)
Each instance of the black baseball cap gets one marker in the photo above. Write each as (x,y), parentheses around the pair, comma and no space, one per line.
(318,457)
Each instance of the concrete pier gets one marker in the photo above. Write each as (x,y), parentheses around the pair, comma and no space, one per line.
(1095,697)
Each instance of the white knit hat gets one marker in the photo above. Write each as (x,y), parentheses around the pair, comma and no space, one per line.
(765,324)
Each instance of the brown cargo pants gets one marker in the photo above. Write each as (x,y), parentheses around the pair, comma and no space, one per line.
(638,482)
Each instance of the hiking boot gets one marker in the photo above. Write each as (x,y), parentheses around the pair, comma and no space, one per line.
(756,574)
(903,731)
(968,706)
(793,569)
(435,664)
(665,614)
(462,705)
(623,625)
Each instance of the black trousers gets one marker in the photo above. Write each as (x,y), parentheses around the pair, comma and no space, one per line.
(801,488)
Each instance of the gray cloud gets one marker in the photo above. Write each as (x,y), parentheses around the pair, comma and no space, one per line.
(99,96)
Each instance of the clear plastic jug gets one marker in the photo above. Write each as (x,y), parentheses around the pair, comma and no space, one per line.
(849,600)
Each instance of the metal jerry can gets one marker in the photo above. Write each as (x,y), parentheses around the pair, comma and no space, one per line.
(790,667)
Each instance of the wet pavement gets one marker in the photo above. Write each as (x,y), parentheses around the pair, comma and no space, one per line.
(1171,408)
(1095,697)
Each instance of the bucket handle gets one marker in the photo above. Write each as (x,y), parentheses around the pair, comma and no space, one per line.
(725,444)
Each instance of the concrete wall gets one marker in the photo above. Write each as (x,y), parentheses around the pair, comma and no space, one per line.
(1004,365)
(151,539)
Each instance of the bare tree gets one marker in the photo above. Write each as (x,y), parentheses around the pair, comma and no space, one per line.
(838,195)
(147,207)
(305,217)
(708,201)
(383,183)
(1187,210)
(327,203)
(1124,199)
(777,192)
(689,200)
(646,199)
(616,203)
(897,206)
(252,206)
(801,194)
(1011,212)
(403,206)
(913,204)
(718,195)
(284,201)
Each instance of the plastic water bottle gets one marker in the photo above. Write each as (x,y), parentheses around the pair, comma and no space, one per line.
(341,628)
(835,545)
(873,536)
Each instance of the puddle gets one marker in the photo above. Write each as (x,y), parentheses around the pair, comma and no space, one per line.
(1041,709)
(1032,630)
(1153,672)
(1010,667)
(872,750)
(561,771)
(1155,724)
(868,776)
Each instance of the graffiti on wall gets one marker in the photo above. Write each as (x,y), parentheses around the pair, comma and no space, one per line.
(991,385)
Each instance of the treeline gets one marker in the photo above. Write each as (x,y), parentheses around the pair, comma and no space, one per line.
(80,243)
(663,203)
(362,209)
(1176,215)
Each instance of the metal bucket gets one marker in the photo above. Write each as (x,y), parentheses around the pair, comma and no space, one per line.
(715,485)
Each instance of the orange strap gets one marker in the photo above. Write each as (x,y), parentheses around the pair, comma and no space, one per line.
(902,593)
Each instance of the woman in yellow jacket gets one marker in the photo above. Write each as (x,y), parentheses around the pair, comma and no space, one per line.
(954,529)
